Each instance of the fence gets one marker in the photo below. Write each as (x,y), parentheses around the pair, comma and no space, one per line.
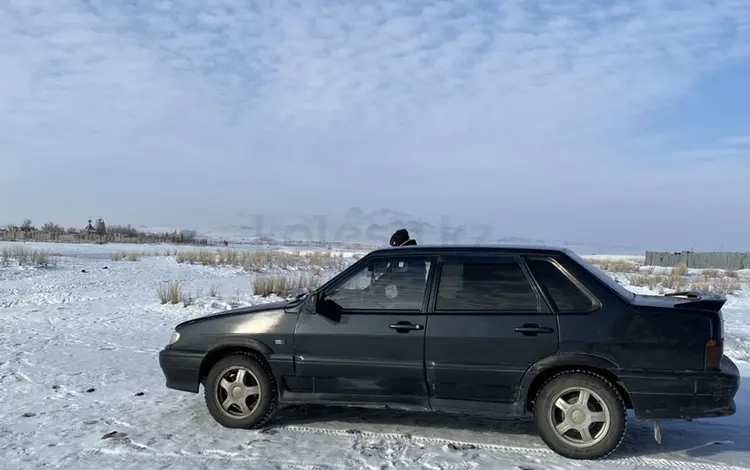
(699,260)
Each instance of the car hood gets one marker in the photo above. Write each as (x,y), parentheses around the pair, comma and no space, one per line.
(242,311)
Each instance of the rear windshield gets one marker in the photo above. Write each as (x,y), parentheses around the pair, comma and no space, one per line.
(602,276)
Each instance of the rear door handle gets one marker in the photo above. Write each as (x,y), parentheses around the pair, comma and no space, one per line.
(532,329)
(405,326)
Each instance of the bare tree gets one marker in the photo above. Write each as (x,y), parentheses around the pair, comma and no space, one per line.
(101,228)
(52,228)
(188,236)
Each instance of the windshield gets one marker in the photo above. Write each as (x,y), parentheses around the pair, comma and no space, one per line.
(602,276)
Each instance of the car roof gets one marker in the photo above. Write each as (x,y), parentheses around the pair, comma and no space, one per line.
(466,248)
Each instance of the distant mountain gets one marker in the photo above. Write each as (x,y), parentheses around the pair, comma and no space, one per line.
(375,228)
(520,241)
(354,213)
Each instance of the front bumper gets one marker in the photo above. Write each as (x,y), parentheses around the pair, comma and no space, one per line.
(181,369)
(689,395)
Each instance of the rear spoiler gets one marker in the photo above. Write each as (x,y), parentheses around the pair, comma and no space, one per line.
(700,300)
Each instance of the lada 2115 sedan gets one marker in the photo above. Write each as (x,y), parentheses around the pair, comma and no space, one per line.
(463,329)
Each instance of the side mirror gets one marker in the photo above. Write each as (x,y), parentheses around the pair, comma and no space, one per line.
(318,297)
(301,292)
(327,308)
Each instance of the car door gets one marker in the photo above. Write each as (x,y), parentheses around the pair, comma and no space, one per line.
(487,324)
(371,348)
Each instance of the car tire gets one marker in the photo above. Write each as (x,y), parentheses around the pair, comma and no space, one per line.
(240,391)
(591,430)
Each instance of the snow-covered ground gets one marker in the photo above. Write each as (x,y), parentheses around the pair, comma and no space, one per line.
(78,360)
(108,249)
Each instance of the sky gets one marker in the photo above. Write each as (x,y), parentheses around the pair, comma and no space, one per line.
(599,120)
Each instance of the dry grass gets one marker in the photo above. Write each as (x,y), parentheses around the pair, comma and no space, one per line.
(128,256)
(616,265)
(173,293)
(727,285)
(681,270)
(260,260)
(644,280)
(283,285)
(26,257)
(136,255)
(169,293)
(705,278)
(674,280)
(720,273)
(656,282)
(714,280)
(677,278)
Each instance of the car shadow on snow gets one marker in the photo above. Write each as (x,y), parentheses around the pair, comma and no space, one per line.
(484,429)
(701,439)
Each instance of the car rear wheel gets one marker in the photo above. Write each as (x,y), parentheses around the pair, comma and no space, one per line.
(240,391)
(580,415)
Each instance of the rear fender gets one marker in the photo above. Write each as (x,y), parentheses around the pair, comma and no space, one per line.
(540,369)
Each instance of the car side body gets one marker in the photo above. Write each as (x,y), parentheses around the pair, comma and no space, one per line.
(661,355)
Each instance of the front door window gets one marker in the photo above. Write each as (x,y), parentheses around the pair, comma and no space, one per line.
(396,283)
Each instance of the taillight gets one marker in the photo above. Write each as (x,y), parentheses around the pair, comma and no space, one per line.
(714,353)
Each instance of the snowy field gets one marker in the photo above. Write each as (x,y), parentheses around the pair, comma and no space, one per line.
(78,360)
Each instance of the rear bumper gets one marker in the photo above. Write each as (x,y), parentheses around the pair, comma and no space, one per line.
(688,395)
(181,369)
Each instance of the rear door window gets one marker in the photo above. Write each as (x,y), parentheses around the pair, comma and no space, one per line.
(492,285)
(565,294)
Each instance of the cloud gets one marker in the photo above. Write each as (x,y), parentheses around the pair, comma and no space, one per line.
(224,106)
(739,141)
(735,148)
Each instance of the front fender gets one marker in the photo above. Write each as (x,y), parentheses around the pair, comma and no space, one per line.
(240,342)
(281,364)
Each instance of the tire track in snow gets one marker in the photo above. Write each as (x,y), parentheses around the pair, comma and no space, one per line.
(140,451)
(137,456)
(639,462)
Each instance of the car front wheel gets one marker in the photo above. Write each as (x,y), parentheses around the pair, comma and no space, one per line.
(580,415)
(240,391)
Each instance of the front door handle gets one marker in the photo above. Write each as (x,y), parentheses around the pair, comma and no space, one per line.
(404,326)
(532,329)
